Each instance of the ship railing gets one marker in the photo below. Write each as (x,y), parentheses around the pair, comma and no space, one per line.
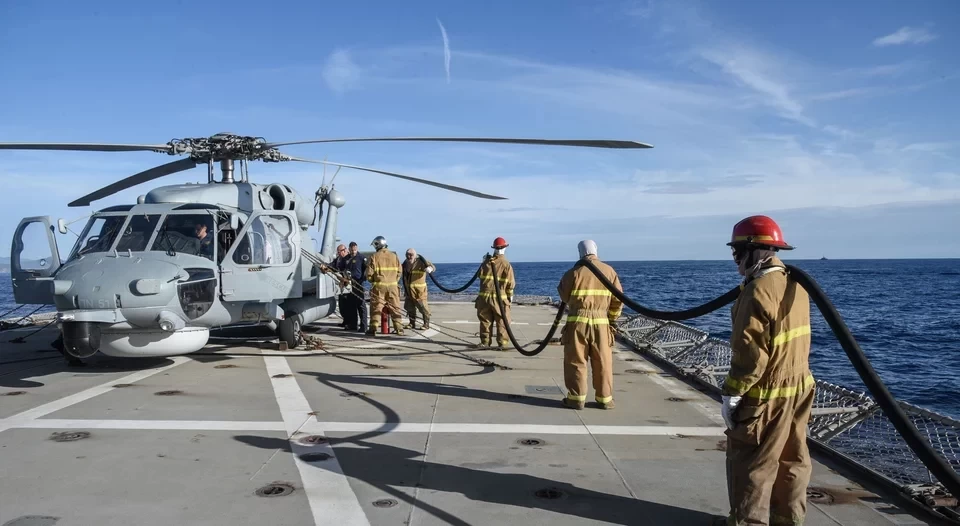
(845,423)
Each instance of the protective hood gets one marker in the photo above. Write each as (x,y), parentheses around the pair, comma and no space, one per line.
(752,264)
(587,246)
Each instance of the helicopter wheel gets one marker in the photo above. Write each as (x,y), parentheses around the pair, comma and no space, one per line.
(289,331)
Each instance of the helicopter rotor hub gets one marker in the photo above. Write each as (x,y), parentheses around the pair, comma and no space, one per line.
(224,147)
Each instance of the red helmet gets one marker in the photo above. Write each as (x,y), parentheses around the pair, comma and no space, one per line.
(758,230)
(500,243)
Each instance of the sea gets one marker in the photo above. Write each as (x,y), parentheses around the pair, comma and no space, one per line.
(905,313)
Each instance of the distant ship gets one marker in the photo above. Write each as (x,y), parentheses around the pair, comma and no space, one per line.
(824,258)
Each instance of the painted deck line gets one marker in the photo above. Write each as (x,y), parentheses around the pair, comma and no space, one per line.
(40,411)
(328,491)
(467,428)
(155,425)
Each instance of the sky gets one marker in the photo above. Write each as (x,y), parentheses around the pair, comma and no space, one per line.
(839,120)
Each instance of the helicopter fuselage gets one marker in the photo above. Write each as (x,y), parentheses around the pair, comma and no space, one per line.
(152,279)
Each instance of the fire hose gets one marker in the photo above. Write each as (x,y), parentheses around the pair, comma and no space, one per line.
(459,289)
(920,446)
(937,465)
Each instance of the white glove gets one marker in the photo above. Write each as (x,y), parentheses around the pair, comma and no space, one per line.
(510,299)
(727,407)
(430,270)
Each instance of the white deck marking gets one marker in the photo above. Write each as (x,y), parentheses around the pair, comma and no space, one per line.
(460,321)
(311,426)
(415,427)
(414,337)
(37,412)
(172,425)
(331,499)
(707,408)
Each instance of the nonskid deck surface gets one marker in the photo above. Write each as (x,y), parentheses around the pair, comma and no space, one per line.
(418,429)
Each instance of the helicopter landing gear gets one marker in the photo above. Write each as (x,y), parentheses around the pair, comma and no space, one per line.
(289,331)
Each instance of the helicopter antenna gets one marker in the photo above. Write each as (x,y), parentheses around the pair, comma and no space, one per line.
(334,174)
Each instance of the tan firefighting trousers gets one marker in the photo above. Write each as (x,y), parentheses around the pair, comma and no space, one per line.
(382,295)
(412,305)
(582,341)
(768,464)
(488,314)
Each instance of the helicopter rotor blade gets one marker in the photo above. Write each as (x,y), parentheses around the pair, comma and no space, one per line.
(452,188)
(142,177)
(587,143)
(85,147)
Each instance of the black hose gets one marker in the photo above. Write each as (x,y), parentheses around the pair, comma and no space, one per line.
(506,322)
(458,290)
(695,312)
(918,444)
(901,422)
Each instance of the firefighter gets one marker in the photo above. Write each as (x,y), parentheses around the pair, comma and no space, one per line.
(415,270)
(383,273)
(769,392)
(592,311)
(487,309)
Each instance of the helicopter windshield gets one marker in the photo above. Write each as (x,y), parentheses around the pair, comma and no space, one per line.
(137,233)
(186,233)
(99,235)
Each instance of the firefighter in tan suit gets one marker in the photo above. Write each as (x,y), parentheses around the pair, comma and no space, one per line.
(415,270)
(588,334)
(769,391)
(487,309)
(383,273)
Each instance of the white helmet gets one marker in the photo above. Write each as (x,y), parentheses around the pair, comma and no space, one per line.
(379,242)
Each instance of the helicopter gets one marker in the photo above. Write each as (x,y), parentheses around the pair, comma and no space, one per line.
(153,278)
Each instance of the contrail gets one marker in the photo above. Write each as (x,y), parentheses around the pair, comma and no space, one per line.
(446,50)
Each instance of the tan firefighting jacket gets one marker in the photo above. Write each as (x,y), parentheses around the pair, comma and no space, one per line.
(415,278)
(770,339)
(503,272)
(383,269)
(588,301)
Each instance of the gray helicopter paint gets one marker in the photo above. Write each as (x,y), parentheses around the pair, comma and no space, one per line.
(334,201)
(129,293)
(240,196)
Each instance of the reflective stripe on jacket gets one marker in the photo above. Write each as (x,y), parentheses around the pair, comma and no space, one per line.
(415,278)
(770,339)
(383,268)
(588,301)
(503,272)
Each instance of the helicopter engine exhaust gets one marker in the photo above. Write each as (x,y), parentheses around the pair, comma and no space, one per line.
(81,339)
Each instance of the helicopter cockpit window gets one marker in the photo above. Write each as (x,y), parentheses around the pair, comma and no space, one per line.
(137,233)
(267,242)
(99,235)
(186,233)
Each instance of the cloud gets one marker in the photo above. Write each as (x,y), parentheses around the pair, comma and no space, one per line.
(446,50)
(340,72)
(905,35)
(931,147)
(755,71)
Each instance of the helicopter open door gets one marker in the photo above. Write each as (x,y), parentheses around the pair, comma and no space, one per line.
(263,264)
(34,259)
